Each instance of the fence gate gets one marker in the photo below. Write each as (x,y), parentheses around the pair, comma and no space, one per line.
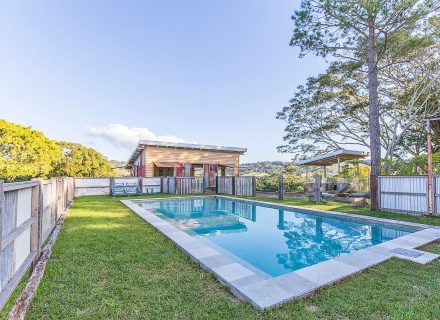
(404,193)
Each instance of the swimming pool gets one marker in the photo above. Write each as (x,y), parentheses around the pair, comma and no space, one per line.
(270,253)
(270,240)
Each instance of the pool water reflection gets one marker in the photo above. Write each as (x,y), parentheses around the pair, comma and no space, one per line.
(275,241)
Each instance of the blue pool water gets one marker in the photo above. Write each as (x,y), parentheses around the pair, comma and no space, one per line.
(266,238)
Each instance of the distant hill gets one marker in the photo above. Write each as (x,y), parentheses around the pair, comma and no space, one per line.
(118,167)
(263,168)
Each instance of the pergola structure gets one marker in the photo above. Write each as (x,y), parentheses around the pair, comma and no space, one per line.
(331,158)
(432,125)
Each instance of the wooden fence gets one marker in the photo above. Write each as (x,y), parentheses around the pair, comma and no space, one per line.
(189,185)
(226,185)
(168,185)
(28,213)
(241,186)
(102,186)
(183,185)
(403,193)
(245,186)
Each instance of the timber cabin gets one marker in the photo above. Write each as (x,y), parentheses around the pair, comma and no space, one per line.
(168,159)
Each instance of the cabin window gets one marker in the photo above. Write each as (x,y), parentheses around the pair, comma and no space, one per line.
(197,170)
(165,172)
(229,171)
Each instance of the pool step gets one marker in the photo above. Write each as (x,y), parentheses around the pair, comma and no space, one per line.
(417,256)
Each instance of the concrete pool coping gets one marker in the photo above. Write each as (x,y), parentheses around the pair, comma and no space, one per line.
(265,293)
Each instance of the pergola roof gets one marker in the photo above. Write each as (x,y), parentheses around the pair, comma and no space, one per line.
(435,123)
(330,158)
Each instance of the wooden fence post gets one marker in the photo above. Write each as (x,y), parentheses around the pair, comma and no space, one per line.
(72,196)
(53,199)
(140,182)
(318,189)
(59,191)
(175,185)
(2,208)
(254,186)
(37,225)
(281,187)
(233,185)
(112,184)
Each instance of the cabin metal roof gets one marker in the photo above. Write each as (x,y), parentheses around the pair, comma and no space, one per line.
(330,158)
(173,145)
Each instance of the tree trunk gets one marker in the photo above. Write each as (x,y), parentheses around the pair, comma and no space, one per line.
(373,116)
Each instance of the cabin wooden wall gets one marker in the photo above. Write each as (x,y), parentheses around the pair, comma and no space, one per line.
(157,154)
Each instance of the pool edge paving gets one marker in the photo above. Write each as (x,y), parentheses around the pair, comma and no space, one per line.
(265,293)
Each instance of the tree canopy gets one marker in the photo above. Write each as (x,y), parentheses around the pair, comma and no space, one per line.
(26,153)
(366,33)
(332,110)
(80,161)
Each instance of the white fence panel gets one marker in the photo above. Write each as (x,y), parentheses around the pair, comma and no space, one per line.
(151,185)
(127,180)
(92,186)
(49,206)
(436,195)
(404,193)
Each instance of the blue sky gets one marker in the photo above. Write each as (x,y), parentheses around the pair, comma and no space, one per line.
(104,73)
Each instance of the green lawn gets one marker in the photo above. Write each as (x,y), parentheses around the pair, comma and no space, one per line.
(110,264)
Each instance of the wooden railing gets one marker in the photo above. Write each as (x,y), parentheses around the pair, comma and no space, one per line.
(28,213)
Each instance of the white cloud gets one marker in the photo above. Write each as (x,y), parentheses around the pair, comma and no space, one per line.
(123,136)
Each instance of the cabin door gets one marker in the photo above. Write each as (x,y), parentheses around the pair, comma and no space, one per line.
(211,170)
